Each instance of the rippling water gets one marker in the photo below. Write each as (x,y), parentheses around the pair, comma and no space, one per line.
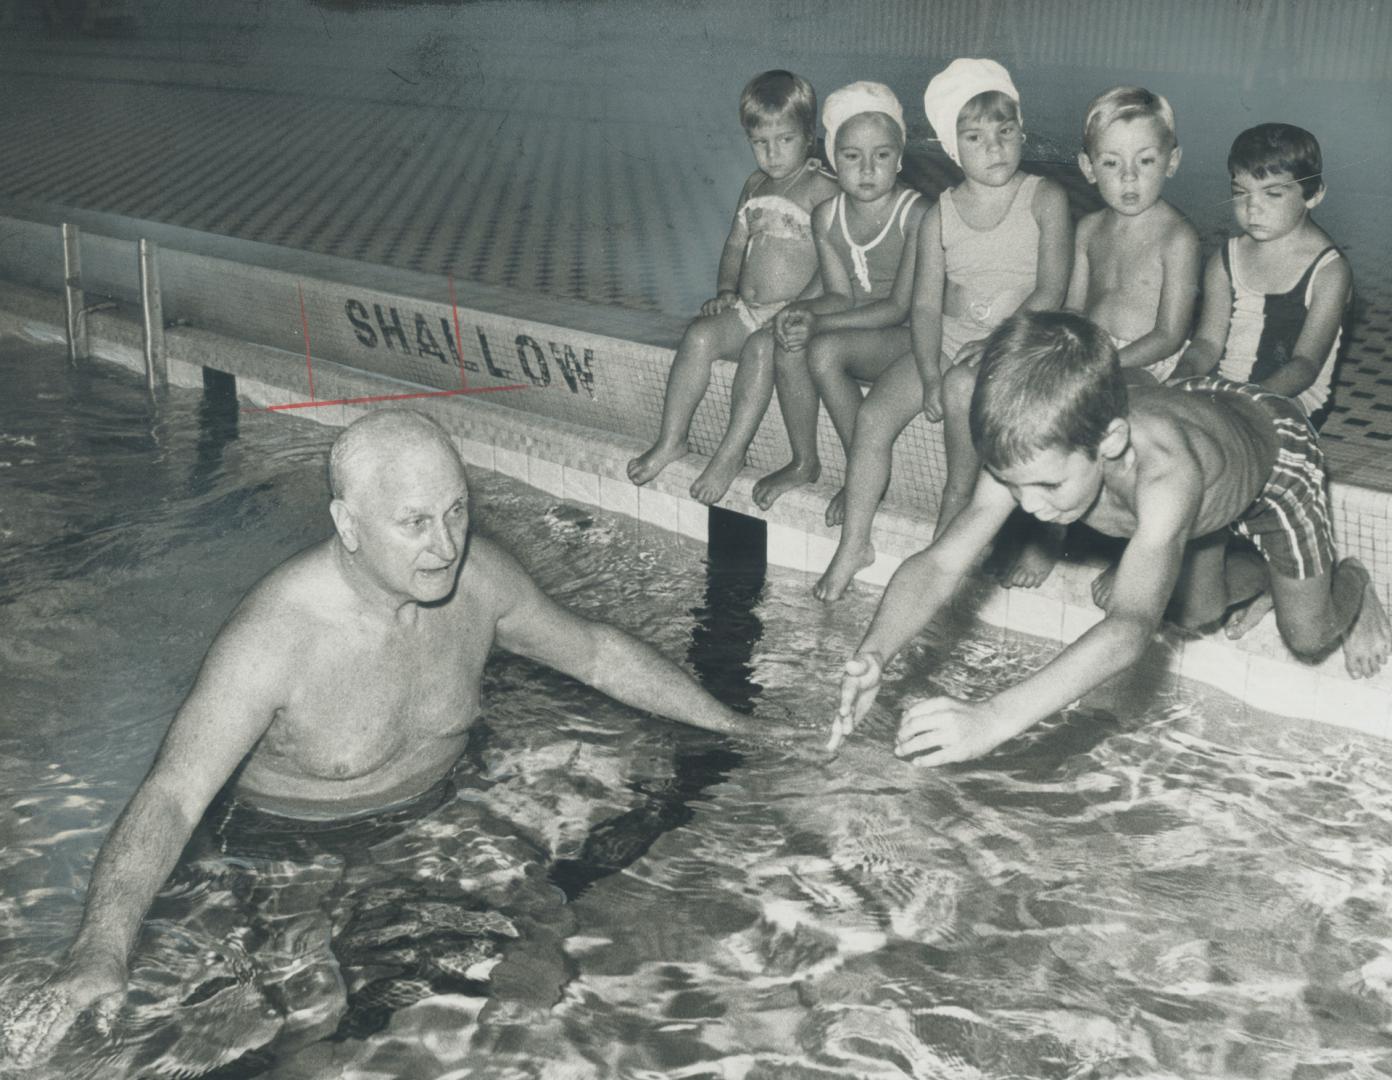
(1157,883)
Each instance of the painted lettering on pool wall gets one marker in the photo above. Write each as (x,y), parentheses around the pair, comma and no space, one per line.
(433,338)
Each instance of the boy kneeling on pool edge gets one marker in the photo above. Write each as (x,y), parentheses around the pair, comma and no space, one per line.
(1172,468)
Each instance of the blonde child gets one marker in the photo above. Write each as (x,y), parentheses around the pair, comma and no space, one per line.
(998,241)
(1136,261)
(1274,298)
(768,260)
(866,239)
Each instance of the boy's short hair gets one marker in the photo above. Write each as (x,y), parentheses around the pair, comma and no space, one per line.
(1127,103)
(1047,379)
(770,94)
(993,106)
(1268,149)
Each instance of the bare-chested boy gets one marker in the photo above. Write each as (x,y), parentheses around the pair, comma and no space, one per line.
(1174,469)
(1135,262)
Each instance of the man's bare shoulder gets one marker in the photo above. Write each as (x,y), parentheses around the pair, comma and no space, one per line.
(492,579)
(300,586)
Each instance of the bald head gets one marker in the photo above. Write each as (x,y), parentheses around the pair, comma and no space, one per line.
(383,440)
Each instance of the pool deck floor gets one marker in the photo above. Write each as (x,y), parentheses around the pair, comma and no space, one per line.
(551,186)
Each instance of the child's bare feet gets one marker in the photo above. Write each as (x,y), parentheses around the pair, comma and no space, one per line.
(767,489)
(715,478)
(1039,549)
(845,564)
(1369,640)
(1245,618)
(646,466)
(836,509)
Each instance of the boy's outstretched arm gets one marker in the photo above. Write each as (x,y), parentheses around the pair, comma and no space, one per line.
(1206,349)
(1179,263)
(944,730)
(1329,299)
(916,593)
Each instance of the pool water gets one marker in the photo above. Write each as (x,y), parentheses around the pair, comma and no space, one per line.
(1156,883)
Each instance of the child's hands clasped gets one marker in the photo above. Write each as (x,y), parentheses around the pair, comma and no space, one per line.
(793,327)
(724,300)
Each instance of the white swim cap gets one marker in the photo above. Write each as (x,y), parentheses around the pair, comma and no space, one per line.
(852,100)
(957,84)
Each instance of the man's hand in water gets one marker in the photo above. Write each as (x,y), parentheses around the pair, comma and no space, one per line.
(43,1016)
(943,730)
(860,682)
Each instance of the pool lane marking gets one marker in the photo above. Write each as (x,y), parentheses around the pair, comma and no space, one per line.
(312,403)
(304,322)
(387,397)
(458,339)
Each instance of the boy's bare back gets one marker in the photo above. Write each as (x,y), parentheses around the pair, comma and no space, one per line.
(1127,264)
(1223,442)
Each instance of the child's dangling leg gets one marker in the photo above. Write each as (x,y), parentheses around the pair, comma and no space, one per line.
(894,400)
(797,401)
(749,400)
(707,338)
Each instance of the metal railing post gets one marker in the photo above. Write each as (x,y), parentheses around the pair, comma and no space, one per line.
(72,294)
(152,318)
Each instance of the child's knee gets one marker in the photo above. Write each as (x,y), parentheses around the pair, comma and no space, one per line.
(958,385)
(1304,636)
(702,338)
(823,357)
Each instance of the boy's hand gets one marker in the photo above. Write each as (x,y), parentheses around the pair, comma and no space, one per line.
(724,300)
(860,682)
(41,1018)
(794,327)
(932,400)
(943,730)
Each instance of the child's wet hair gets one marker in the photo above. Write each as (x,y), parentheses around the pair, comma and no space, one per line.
(1273,149)
(1127,103)
(992,106)
(772,94)
(1047,379)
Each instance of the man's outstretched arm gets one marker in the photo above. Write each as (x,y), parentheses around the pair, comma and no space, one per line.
(531,624)
(231,704)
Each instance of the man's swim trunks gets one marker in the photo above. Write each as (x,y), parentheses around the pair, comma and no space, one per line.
(1289,520)
(241,830)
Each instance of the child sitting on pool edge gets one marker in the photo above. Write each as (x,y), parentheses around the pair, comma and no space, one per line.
(866,238)
(998,241)
(1274,298)
(1171,468)
(768,260)
(1135,262)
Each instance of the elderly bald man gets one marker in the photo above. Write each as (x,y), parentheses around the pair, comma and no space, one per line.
(345,682)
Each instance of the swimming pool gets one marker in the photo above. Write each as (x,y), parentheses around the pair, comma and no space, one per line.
(1150,885)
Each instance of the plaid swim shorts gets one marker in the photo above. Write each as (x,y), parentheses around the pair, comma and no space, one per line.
(1289,519)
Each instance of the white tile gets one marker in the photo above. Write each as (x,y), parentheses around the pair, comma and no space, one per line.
(994,606)
(1215,663)
(1282,687)
(618,496)
(659,508)
(881,570)
(1353,704)
(1031,613)
(547,476)
(1078,620)
(820,550)
(475,453)
(511,463)
(787,546)
(581,486)
(693,519)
